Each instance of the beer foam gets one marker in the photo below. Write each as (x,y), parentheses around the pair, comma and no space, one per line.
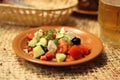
(112,2)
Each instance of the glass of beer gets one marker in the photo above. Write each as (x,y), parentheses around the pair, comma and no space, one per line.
(109,20)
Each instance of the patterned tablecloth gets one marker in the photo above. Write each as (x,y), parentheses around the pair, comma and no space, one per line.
(105,66)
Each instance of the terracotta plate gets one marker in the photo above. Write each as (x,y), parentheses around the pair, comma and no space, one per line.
(86,39)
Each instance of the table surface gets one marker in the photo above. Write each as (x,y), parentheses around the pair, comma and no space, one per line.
(105,66)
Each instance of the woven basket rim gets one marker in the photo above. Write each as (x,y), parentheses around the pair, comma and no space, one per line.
(32,8)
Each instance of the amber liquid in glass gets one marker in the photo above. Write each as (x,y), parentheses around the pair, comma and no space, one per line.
(109,20)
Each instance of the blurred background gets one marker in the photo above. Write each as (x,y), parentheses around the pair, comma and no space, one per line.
(89,5)
(47,12)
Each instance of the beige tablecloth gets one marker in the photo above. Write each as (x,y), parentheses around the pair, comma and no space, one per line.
(105,66)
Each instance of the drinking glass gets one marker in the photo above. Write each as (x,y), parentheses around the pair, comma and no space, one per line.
(109,20)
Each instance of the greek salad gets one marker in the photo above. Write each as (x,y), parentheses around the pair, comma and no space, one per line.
(55,45)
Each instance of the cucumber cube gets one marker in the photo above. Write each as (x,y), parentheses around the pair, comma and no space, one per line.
(42,42)
(60,57)
(38,51)
(32,43)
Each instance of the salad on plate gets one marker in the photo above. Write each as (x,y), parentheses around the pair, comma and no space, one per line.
(55,45)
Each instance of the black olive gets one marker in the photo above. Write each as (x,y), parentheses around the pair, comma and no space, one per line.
(44,48)
(76,41)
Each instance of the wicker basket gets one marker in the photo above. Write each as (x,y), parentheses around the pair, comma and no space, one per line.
(31,16)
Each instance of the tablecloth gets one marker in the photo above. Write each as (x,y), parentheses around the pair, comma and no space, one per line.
(105,66)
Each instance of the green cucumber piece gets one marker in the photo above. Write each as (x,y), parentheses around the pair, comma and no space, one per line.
(68,40)
(38,51)
(42,42)
(60,57)
(32,43)
(59,35)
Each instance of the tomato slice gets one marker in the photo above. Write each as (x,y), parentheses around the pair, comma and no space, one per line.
(49,55)
(69,58)
(62,46)
(75,52)
(86,50)
(30,36)
(78,51)
(28,48)
(44,58)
